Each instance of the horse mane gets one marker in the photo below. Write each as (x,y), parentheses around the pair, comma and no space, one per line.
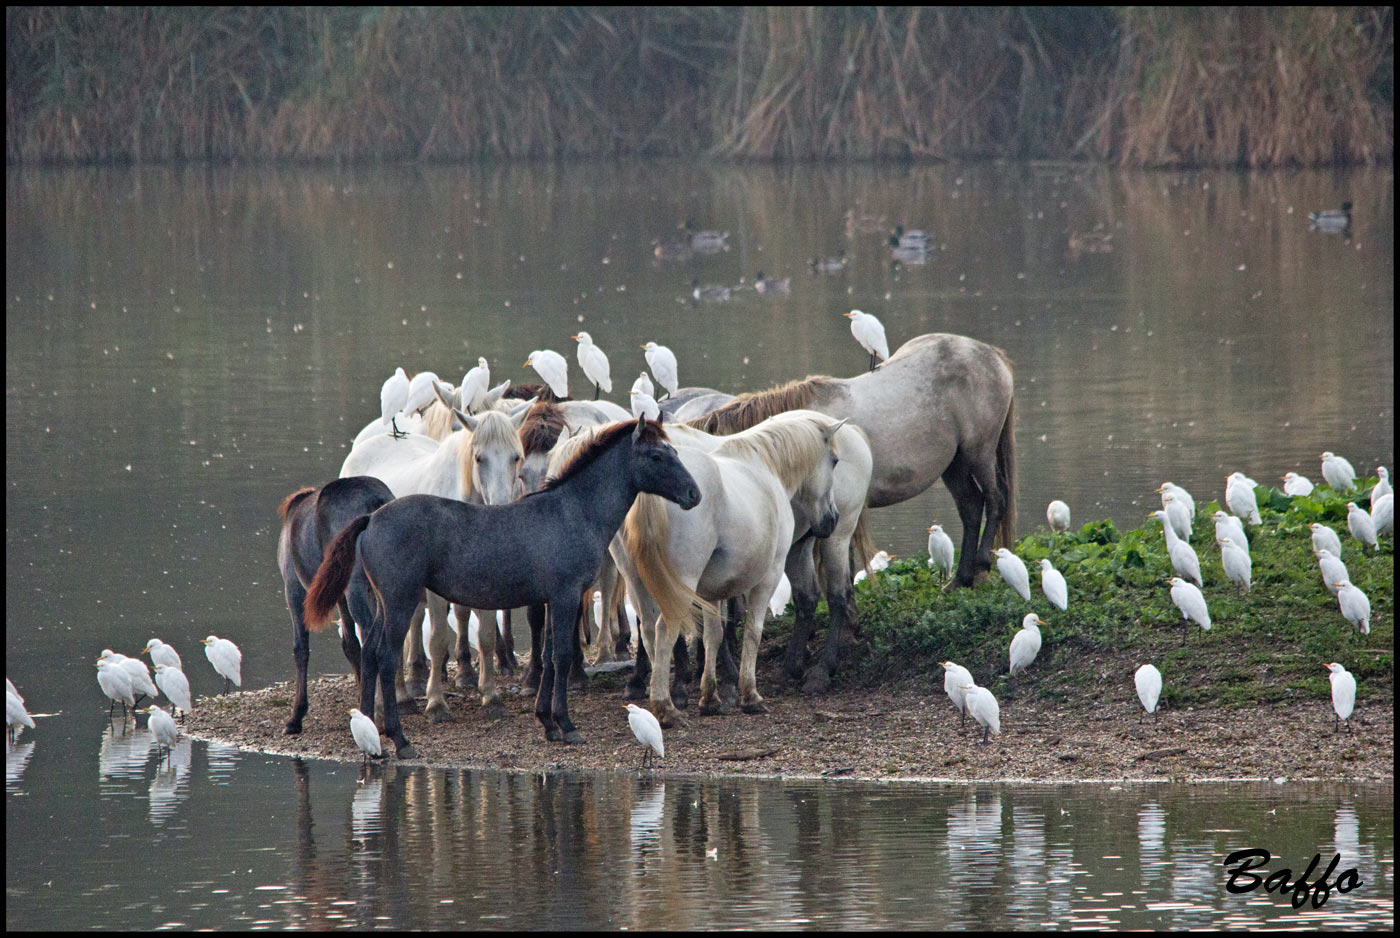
(753,408)
(789,448)
(592,446)
(524,392)
(541,428)
(291,501)
(437,421)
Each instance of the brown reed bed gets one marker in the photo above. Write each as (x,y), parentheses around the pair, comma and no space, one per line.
(1139,86)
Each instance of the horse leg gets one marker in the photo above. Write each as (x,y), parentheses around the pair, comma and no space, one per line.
(462,652)
(536,616)
(647,636)
(968,498)
(564,610)
(486,640)
(727,668)
(390,667)
(417,660)
(641,669)
(662,647)
(623,643)
(505,646)
(984,471)
(750,701)
(403,697)
(301,649)
(840,604)
(607,582)
(802,574)
(710,703)
(679,692)
(439,643)
(543,710)
(578,677)
(349,640)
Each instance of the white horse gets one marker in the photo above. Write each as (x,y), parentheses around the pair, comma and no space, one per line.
(733,543)
(481,465)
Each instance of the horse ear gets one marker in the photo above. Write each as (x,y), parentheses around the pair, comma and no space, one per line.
(518,415)
(495,394)
(444,395)
(471,423)
(830,432)
(641,424)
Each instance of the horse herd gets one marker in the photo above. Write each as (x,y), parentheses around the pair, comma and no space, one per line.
(536,503)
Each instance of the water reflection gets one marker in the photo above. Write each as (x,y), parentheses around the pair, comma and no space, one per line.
(171,783)
(122,754)
(17,756)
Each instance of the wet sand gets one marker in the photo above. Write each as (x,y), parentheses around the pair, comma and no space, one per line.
(904,732)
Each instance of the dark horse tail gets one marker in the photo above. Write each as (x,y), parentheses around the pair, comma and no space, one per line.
(333,576)
(1006,476)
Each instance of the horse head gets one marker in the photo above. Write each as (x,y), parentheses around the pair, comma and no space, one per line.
(657,469)
(495,455)
(815,500)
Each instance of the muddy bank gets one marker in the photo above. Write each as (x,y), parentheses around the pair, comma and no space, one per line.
(908,733)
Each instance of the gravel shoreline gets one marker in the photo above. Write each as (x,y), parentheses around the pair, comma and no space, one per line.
(890,734)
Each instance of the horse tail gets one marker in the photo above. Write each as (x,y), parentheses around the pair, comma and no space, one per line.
(862,547)
(333,576)
(1006,476)
(291,501)
(644,533)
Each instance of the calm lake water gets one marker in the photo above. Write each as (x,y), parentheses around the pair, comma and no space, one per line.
(185,347)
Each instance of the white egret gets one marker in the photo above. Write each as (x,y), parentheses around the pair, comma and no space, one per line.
(226,659)
(1183,555)
(781,596)
(1239,497)
(15,714)
(116,684)
(1355,605)
(594,364)
(1192,603)
(1361,526)
(1383,513)
(1239,567)
(1057,514)
(870,334)
(175,686)
(11,689)
(1052,584)
(1148,681)
(366,735)
(662,362)
(1026,645)
(1177,514)
(393,396)
(475,384)
(1343,694)
(1295,485)
(1180,494)
(956,680)
(1324,538)
(647,729)
(161,653)
(983,707)
(551,367)
(940,550)
(1334,572)
(420,392)
(1338,472)
(162,726)
(644,405)
(1013,571)
(644,385)
(135,668)
(1230,528)
(1382,487)
(880,561)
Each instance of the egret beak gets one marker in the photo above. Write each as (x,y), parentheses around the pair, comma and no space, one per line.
(847,315)
(145,651)
(573,337)
(1041,621)
(929,529)
(527,364)
(641,346)
(1158,489)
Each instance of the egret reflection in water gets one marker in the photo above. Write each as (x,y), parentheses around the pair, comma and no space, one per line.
(17,756)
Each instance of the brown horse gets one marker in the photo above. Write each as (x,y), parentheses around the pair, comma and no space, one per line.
(941,406)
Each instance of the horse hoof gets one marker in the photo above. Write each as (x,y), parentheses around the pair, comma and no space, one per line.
(759,707)
(680,698)
(464,681)
(729,696)
(818,682)
(496,710)
(793,669)
(416,687)
(530,690)
(407,752)
(293,729)
(633,692)
(408,705)
(438,713)
(573,736)
(553,735)
(711,708)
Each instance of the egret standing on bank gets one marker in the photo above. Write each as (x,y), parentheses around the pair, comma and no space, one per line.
(1356,607)
(1026,645)
(1361,526)
(1230,528)
(870,334)
(647,729)
(1334,572)
(366,736)
(594,364)
(1052,584)
(161,653)
(1180,494)
(1324,538)
(1183,555)
(1013,571)
(1192,604)
(956,680)
(175,686)
(1383,513)
(1057,514)
(226,659)
(1148,681)
(1338,472)
(551,367)
(1239,567)
(1343,694)
(116,684)
(940,551)
(1296,485)
(983,707)
(1239,497)
(662,363)
(1382,486)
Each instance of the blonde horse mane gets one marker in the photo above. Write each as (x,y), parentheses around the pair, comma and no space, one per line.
(437,421)
(789,448)
(644,534)
(753,408)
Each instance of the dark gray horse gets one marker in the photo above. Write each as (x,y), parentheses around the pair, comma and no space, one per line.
(311,519)
(546,547)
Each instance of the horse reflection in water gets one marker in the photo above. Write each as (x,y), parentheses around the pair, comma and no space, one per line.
(556,539)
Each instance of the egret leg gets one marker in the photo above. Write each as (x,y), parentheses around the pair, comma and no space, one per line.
(872,361)
(962,727)
(227,685)
(394,422)
(985,731)
(597,390)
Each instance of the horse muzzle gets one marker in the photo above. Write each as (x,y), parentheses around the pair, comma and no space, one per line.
(826,525)
(689,498)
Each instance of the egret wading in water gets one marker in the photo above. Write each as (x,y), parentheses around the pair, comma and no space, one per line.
(1361,526)
(1296,485)
(1324,538)
(175,686)
(662,363)
(1356,606)
(135,669)
(1237,563)
(1192,604)
(116,684)
(366,735)
(226,659)
(984,709)
(940,551)
(870,334)
(1053,585)
(1148,681)
(393,397)
(162,726)
(1013,571)
(647,729)
(552,369)
(1026,645)
(1338,472)
(1343,694)
(1183,555)
(15,714)
(161,653)
(594,364)
(956,680)
(1057,516)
